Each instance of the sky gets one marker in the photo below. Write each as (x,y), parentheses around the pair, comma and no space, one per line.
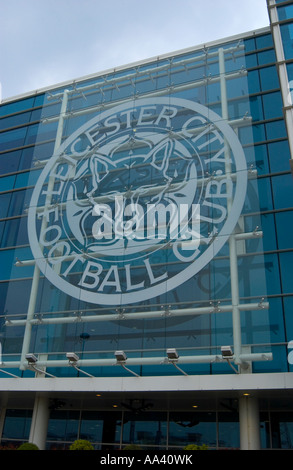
(47,42)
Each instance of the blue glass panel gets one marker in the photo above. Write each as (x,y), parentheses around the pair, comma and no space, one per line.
(15,120)
(39,100)
(253,81)
(26,179)
(9,162)
(286,260)
(15,232)
(249,44)
(251,60)
(275,324)
(40,132)
(269,78)
(13,139)
(237,87)
(17,424)
(290,73)
(14,297)
(284,224)
(272,274)
(279,154)
(26,158)
(285,12)
(4,204)
(269,232)
(2,224)
(273,103)
(276,130)
(257,134)
(278,364)
(256,108)
(266,57)
(51,109)
(265,194)
(7,183)
(18,201)
(282,191)
(258,156)
(287,36)
(8,259)
(40,152)
(14,107)
(264,41)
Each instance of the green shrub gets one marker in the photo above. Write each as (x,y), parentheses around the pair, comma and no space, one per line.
(81,444)
(196,447)
(28,446)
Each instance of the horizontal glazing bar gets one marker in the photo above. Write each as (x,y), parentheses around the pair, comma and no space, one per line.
(149,71)
(162,92)
(218,308)
(239,236)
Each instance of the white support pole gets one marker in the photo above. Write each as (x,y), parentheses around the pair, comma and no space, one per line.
(36,275)
(282,72)
(232,241)
(40,419)
(249,423)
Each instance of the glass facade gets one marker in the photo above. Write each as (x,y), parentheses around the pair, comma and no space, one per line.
(163,128)
(285,16)
(108,430)
(144,210)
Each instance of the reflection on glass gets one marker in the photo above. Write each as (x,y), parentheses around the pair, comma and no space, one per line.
(63,425)
(145,429)
(192,428)
(99,427)
(17,424)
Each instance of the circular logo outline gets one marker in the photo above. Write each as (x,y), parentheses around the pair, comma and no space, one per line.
(194,266)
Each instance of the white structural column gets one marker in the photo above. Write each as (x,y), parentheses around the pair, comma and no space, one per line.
(39,425)
(248,407)
(249,423)
(232,241)
(36,275)
(282,71)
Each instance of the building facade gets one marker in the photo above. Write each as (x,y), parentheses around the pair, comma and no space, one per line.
(146,248)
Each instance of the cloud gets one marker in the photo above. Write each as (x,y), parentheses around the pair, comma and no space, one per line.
(44,43)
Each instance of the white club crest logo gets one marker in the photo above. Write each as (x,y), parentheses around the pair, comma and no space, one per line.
(137,201)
